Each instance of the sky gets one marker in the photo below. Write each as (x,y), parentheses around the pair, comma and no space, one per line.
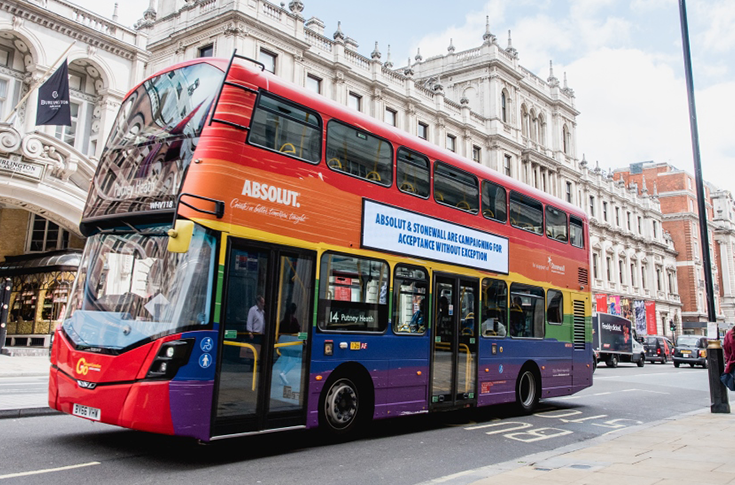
(622,58)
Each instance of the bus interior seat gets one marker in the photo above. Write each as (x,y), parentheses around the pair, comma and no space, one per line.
(288,148)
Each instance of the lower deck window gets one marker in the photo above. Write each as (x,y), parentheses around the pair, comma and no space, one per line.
(526,311)
(411,292)
(353,294)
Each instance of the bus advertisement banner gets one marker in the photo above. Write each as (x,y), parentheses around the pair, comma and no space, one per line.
(639,310)
(391,229)
(613,305)
(651,317)
(601,303)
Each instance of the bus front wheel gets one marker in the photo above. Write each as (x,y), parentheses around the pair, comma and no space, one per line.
(341,409)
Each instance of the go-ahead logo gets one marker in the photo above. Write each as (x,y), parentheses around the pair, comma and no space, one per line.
(83,367)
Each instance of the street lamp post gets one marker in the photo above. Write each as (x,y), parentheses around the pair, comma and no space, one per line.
(718,392)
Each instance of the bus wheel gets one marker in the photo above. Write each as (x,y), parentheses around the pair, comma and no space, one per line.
(527,390)
(341,408)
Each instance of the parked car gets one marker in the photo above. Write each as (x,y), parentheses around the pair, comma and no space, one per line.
(692,350)
(658,348)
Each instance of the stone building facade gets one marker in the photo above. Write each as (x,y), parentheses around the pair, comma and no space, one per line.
(676,189)
(45,170)
(633,256)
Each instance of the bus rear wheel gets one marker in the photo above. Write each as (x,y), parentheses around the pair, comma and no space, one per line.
(341,410)
(527,391)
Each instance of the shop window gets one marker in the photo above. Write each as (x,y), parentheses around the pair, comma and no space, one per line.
(411,286)
(556,224)
(455,188)
(46,235)
(24,307)
(353,294)
(526,311)
(494,202)
(357,153)
(413,173)
(555,307)
(526,213)
(54,305)
(495,308)
(286,128)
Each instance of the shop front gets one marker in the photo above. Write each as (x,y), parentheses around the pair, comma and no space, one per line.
(41,285)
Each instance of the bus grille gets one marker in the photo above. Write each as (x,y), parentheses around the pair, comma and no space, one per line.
(578,325)
(583,276)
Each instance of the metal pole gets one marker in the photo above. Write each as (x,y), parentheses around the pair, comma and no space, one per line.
(718,392)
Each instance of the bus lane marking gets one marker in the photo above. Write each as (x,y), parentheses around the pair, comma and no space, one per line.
(49,470)
(509,426)
(613,423)
(538,434)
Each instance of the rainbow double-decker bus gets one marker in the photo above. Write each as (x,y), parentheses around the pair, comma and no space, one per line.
(260,258)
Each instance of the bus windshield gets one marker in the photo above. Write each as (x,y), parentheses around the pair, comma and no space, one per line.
(152,142)
(131,289)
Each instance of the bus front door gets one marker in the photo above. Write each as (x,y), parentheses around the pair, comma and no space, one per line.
(455,331)
(265,321)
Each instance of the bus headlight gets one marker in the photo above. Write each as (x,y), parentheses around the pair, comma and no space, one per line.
(171,357)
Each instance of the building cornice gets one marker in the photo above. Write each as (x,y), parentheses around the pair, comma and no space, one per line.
(75,30)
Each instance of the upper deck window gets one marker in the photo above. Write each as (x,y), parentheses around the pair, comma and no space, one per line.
(576,232)
(493,202)
(358,153)
(286,128)
(152,142)
(556,224)
(455,188)
(413,173)
(526,213)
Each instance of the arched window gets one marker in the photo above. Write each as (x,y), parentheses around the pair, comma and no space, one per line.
(541,130)
(534,126)
(503,107)
(565,139)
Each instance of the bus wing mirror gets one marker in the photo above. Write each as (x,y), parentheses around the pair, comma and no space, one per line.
(179,238)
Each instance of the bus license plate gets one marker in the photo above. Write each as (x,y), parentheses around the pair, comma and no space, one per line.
(86,412)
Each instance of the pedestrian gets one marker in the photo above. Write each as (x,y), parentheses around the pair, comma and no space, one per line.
(256,317)
(728,345)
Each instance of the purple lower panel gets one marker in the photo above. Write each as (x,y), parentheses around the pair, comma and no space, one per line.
(398,391)
(191,408)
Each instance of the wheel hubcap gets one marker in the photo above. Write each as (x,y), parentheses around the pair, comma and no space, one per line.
(341,404)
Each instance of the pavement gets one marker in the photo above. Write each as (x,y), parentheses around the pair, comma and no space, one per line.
(24,386)
(697,447)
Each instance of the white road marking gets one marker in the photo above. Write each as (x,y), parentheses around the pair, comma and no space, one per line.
(49,470)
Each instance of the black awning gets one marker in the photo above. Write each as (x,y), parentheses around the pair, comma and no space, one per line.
(62,260)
